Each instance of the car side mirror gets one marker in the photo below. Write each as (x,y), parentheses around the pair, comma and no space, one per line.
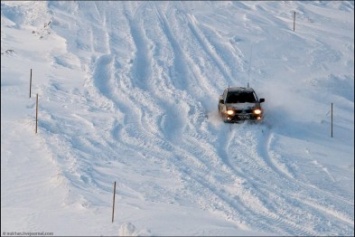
(262,100)
(220,99)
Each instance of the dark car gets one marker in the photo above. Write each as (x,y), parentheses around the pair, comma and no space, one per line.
(238,104)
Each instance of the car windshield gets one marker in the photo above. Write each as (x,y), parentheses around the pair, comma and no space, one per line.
(240,97)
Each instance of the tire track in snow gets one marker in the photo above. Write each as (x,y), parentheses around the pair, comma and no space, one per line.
(194,82)
(230,175)
(262,212)
(240,205)
(207,47)
(82,173)
(165,104)
(139,138)
(198,180)
(141,70)
(103,67)
(314,191)
(201,163)
(179,71)
(192,61)
(169,95)
(274,168)
(102,75)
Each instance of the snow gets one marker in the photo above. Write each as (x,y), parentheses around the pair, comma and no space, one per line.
(128,92)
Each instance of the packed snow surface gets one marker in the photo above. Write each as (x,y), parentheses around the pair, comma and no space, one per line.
(128,92)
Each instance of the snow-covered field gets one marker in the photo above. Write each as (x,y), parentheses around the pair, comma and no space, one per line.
(127,93)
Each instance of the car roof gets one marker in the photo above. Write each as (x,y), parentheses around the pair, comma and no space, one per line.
(240,89)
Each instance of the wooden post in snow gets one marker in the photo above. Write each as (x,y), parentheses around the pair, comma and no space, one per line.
(113,203)
(294,20)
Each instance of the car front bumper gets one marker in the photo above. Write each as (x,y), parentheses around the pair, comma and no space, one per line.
(243,117)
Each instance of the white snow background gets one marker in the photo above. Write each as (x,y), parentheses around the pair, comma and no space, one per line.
(128,92)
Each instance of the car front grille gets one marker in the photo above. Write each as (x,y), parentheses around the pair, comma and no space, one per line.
(247,111)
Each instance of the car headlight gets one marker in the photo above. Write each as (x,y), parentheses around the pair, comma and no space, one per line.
(230,112)
(257,111)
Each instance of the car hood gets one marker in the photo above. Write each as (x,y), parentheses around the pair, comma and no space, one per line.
(242,106)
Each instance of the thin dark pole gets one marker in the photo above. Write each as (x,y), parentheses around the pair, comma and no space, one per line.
(113,205)
(294,20)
